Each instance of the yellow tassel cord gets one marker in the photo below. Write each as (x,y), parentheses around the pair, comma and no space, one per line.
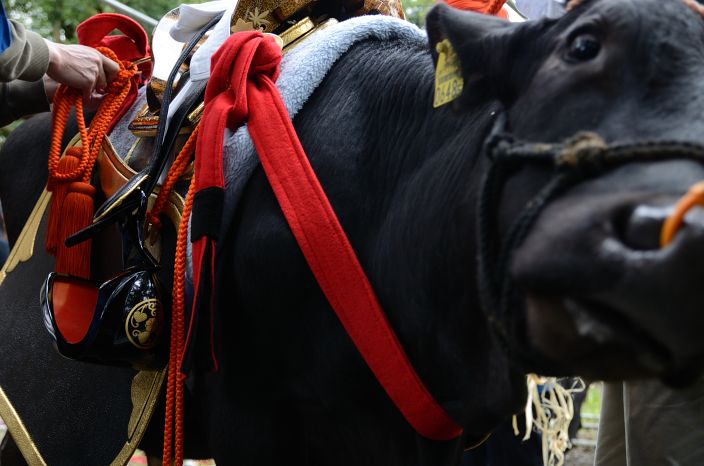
(550,410)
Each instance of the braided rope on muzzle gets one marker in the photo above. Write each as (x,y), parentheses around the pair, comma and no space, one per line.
(578,158)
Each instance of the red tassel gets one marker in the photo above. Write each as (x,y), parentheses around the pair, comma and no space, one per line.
(68,163)
(76,213)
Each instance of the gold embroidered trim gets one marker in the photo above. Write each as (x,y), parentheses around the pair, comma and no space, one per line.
(19,432)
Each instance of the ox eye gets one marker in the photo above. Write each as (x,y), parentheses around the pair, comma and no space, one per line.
(583,47)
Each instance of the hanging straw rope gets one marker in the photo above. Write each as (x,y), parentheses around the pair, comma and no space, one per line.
(549,409)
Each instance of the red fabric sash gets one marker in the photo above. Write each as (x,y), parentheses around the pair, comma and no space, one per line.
(241,89)
(132,46)
(488,7)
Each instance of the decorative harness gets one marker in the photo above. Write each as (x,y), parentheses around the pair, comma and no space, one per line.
(241,89)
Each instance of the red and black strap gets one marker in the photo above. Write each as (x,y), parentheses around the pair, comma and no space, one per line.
(241,89)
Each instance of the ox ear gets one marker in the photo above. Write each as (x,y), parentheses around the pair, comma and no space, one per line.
(486,46)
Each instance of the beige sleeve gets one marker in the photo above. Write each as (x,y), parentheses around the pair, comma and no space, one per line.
(27,58)
(21,98)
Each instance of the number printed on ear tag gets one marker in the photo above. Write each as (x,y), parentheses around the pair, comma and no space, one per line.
(448,75)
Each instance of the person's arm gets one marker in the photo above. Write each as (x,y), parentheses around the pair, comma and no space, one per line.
(27,57)
(20,98)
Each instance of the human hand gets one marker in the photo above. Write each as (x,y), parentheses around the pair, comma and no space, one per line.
(81,67)
(50,87)
(90,103)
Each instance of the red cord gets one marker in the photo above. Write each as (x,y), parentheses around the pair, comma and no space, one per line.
(173,418)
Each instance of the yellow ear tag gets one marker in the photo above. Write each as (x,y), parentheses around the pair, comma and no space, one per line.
(448,75)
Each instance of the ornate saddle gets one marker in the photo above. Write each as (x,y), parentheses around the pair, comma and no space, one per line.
(291,20)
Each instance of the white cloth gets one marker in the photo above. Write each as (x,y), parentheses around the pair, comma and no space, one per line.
(192,17)
(200,62)
(534,9)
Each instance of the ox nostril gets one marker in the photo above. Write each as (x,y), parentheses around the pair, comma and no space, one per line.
(640,227)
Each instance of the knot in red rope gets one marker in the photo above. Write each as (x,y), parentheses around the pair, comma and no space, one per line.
(124,76)
(122,79)
(243,58)
(154,220)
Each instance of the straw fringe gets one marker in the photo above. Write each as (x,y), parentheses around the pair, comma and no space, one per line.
(549,411)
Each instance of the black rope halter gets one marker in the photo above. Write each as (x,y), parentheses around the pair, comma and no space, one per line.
(578,158)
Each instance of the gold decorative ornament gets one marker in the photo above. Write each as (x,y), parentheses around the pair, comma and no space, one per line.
(241,26)
(325,24)
(146,386)
(258,18)
(146,122)
(298,30)
(142,325)
(24,247)
(258,12)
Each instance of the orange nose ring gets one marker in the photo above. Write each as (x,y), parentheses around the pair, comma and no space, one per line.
(695,196)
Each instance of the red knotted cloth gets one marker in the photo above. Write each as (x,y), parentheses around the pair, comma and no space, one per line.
(241,89)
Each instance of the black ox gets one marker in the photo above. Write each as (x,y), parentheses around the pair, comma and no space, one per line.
(591,292)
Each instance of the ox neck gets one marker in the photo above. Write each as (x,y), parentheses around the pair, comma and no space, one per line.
(423,258)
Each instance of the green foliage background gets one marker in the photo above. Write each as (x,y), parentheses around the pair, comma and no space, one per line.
(416,9)
(57,19)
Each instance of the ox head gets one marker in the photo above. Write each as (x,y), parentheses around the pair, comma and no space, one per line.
(591,290)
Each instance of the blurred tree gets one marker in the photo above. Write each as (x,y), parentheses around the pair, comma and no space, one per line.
(416,9)
(57,19)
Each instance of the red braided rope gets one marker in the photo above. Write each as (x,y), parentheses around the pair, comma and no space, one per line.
(72,204)
(178,168)
(173,421)
(91,139)
(173,418)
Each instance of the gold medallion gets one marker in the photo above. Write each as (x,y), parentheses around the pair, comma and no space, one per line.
(142,325)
